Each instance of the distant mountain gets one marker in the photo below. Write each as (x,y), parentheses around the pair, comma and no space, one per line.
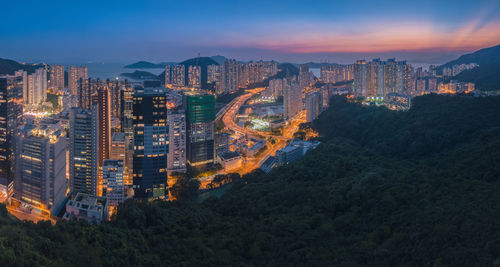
(219,59)
(203,62)
(8,66)
(487,75)
(286,70)
(139,75)
(488,55)
(146,65)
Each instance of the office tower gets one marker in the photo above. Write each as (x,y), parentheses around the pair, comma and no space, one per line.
(200,116)
(292,100)
(37,87)
(83,151)
(178,75)
(57,77)
(150,143)
(194,77)
(11,111)
(177,142)
(120,151)
(41,165)
(74,75)
(230,76)
(113,181)
(360,78)
(313,106)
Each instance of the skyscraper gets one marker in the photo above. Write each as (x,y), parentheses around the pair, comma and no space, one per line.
(57,77)
(41,165)
(120,151)
(83,151)
(175,75)
(360,78)
(150,143)
(101,109)
(177,142)
(10,117)
(200,116)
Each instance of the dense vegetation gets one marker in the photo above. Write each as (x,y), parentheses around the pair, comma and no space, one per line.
(485,77)
(417,188)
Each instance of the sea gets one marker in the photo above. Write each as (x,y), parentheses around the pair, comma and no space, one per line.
(105,71)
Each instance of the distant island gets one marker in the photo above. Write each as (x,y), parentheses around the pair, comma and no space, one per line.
(139,75)
(146,65)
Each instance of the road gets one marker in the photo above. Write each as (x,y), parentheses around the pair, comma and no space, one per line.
(288,131)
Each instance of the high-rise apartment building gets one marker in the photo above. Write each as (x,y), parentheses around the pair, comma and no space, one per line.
(120,151)
(313,106)
(230,76)
(37,87)
(113,181)
(57,77)
(200,117)
(150,143)
(177,142)
(292,100)
(194,77)
(41,165)
(74,75)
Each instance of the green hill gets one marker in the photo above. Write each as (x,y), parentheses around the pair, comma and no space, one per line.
(145,65)
(486,77)
(139,75)
(203,62)
(385,188)
(8,66)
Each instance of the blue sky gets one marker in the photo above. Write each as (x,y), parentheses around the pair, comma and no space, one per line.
(298,31)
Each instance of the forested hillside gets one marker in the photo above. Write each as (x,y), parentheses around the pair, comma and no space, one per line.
(385,188)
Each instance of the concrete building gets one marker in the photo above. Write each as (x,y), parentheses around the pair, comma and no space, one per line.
(194,77)
(41,165)
(37,87)
(74,75)
(120,151)
(229,160)
(112,181)
(57,77)
(176,160)
(292,100)
(230,80)
(87,207)
(313,106)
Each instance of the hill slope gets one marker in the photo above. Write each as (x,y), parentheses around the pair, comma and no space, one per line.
(145,65)
(417,188)
(8,66)
(483,56)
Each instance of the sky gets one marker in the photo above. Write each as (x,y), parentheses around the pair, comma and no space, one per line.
(419,31)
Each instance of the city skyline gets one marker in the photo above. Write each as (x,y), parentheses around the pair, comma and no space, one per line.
(333,31)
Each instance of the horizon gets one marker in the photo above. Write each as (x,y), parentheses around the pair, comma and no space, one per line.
(285,31)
